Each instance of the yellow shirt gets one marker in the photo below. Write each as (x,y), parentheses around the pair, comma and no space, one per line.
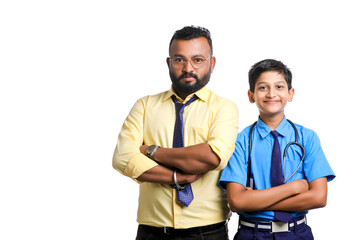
(211,119)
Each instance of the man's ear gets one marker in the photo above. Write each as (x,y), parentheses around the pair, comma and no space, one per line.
(251,96)
(168,62)
(291,94)
(212,63)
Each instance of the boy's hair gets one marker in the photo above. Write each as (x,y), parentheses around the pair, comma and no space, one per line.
(268,65)
(191,32)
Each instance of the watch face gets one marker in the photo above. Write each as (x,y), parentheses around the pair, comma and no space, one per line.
(147,151)
(150,150)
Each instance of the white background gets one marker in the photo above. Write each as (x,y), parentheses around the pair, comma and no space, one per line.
(71,70)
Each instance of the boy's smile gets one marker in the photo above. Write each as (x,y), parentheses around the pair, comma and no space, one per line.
(271,94)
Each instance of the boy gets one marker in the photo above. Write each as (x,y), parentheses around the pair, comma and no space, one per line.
(284,187)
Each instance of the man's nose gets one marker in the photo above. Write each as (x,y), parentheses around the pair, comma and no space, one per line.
(188,66)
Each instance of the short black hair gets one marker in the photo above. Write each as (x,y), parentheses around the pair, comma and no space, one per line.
(191,32)
(268,65)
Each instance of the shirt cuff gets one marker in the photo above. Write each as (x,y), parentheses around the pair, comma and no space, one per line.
(138,165)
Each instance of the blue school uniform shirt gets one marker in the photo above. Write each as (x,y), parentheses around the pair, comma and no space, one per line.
(315,164)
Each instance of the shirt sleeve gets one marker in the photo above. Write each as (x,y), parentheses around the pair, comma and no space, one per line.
(315,162)
(127,158)
(222,134)
(236,170)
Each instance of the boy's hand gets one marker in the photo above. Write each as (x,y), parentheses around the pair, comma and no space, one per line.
(300,185)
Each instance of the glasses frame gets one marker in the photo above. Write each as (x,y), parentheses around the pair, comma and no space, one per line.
(186,60)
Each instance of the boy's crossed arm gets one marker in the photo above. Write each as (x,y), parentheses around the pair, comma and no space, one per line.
(293,196)
(315,197)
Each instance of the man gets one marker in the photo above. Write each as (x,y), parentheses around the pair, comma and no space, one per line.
(175,143)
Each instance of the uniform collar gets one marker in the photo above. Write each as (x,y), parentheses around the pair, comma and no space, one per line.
(282,129)
(203,94)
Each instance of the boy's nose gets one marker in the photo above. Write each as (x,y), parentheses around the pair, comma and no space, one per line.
(271,93)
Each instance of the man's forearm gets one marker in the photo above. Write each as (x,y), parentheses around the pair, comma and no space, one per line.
(157,174)
(192,159)
(163,175)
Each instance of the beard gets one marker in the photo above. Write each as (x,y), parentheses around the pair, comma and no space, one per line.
(189,88)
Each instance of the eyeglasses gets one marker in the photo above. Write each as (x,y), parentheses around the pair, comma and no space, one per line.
(180,62)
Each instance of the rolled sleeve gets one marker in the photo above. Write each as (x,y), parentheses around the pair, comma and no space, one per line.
(223,132)
(127,158)
(236,170)
(138,165)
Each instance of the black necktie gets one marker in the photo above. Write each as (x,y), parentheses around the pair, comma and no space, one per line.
(277,177)
(185,195)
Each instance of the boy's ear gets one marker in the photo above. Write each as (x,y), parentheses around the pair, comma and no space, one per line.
(291,94)
(251,96)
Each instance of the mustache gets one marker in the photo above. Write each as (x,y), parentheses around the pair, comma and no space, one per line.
(186,74)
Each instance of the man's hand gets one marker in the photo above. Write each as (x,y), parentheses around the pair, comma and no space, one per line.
(184,178)
(143,148)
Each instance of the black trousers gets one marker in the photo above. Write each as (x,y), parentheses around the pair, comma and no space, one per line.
(212,232)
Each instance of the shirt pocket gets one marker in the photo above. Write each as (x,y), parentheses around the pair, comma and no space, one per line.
(292,162)
(198,135)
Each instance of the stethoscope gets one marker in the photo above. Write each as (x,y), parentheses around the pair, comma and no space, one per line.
(250,180)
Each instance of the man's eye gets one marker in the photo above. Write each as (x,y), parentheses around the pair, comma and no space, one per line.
(179,60)
(198,60)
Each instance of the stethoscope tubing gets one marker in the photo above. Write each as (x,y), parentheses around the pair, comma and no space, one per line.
(286,148)
(284,156)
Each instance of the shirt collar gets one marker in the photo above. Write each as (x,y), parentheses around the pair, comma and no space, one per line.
(203,94)
(282,129)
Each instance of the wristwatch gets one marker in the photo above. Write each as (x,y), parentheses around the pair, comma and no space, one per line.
(149,152)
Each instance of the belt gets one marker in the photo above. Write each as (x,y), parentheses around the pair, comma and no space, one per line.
(271,226)
(174,231)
